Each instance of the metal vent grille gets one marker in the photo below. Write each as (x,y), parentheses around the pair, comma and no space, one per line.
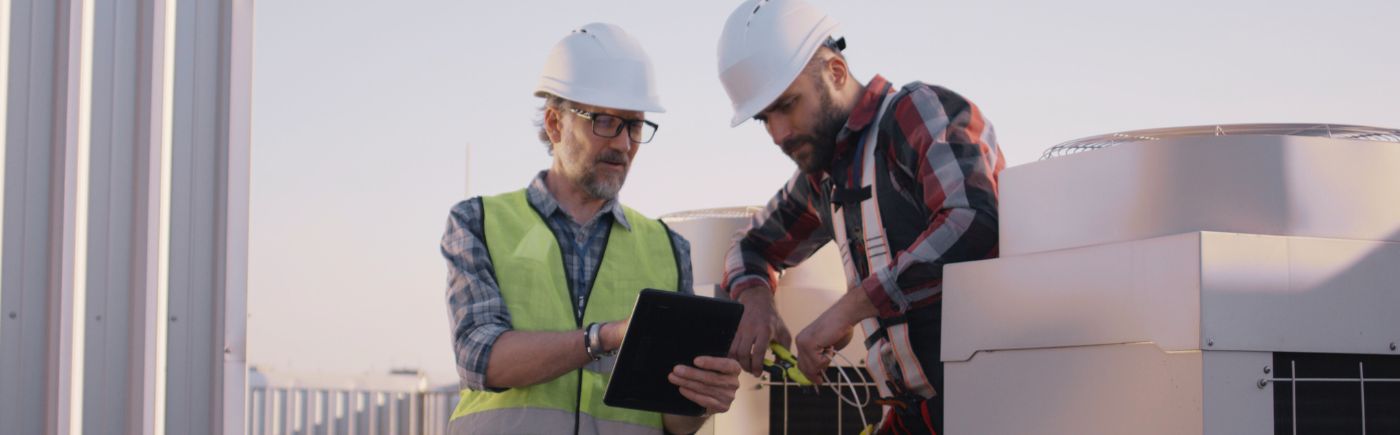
(1334,131)
(819,410)
(1327,394)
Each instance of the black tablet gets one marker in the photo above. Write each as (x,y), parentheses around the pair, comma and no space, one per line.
(668,328)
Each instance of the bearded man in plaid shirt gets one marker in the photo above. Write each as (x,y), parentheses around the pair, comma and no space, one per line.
(903,179)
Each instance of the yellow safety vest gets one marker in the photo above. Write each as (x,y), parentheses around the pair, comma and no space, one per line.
(529,269)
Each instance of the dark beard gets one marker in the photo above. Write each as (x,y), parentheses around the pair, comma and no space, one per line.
(830,120)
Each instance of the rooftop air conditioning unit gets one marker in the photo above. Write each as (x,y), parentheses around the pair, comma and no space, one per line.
(1231,280)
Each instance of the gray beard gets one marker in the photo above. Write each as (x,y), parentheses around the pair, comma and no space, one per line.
(600,187)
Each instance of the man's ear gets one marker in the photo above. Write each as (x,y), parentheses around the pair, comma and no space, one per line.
(553,124)
(836,68)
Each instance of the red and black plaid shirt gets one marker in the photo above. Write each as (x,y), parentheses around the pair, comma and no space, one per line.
(937,181)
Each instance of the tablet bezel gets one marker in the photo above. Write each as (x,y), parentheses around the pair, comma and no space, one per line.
(654,317)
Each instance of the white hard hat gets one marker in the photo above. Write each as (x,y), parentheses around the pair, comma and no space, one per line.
(764,46)
(601,65)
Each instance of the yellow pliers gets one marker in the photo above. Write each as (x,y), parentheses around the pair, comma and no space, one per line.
(785,366)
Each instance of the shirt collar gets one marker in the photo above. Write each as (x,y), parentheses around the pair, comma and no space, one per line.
(863,114)
(543,200)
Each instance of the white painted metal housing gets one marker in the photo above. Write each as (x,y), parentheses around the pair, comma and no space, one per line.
(1252,184)
(124,220)
(1193,291)
(1146,288)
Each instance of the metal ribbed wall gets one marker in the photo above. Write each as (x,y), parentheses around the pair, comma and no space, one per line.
(315,411)
(124,219)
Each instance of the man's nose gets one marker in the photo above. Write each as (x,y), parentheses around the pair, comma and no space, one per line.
(622,142)
(780,131)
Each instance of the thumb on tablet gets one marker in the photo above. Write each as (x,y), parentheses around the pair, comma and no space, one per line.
(613,333)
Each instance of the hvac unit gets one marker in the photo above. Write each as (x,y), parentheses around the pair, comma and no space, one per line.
(1205,280)
(803,293)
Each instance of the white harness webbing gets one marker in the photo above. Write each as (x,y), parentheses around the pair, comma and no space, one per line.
(890,358)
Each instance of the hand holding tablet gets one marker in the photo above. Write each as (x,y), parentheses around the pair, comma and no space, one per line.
(669,329)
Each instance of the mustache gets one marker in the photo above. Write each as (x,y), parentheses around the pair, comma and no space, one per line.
(613,157)
(793,142)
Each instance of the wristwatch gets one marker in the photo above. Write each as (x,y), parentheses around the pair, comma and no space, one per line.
(593,341)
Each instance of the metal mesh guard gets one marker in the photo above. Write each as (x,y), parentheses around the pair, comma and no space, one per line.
(1334,131)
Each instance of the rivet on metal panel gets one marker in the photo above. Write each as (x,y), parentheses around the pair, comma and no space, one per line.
(1263,383)
(1392,344)
(14,314)
(1268,369)
(173,318)
(228,350)
(99,317)
(1210,342)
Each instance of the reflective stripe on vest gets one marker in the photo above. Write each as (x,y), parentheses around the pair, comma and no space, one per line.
(540,421)
(529,269)
(891,358)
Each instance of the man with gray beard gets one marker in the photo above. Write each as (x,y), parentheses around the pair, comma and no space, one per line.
(541,280)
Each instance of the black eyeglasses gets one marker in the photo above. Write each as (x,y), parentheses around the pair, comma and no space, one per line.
(609,126)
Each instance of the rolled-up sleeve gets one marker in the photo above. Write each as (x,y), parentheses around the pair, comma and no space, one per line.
(476,311)
(789,229)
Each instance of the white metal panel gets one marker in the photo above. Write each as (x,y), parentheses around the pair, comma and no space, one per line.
(1117,293)
(415,414)
(808,290)
(29,222)
(153,221)
(1278,185)
(709,233)
(111,359)
(208,217)
(66,340)
(1232,401)
(359,419)
(237,91)
(390,414)
(85,219)
(5,7)
(373,404)
(749,412)
(1208,290)
(190,378)
(1299,294)
(1110,389)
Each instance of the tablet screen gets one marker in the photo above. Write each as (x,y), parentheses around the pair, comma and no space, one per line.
(668,328)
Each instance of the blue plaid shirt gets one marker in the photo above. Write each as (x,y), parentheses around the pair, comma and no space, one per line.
(477,312)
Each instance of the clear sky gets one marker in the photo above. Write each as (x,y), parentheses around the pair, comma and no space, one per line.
(371,118)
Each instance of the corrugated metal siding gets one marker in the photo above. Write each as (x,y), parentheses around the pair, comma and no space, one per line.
(322,411)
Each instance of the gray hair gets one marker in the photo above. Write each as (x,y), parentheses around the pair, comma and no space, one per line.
(551,101)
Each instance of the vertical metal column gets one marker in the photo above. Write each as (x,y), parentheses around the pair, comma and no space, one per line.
(123,215)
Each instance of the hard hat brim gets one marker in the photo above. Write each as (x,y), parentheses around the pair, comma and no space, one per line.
(751,68)
(602,100)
